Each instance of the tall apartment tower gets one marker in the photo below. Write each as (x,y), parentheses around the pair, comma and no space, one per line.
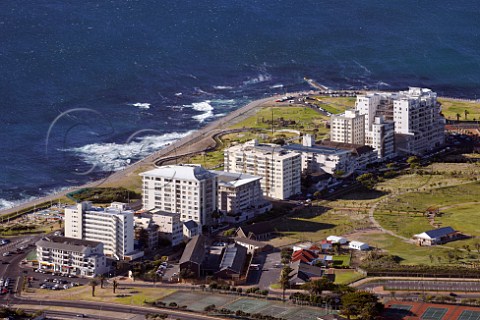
(112,226)
(280,169)
(189,190)
(348,127)
(419,125)
(377,108)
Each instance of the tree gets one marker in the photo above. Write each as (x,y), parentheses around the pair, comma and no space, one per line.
(186,274)
(285,279)
(115,285)
(368,180)
(102,280)
(458,116)
(414,162)
(93,283)
(316,287)
(465,112)
(361,304)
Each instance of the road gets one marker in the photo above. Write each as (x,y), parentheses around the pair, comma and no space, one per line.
(137,310)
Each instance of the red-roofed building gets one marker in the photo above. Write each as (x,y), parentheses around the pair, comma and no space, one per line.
(304,255)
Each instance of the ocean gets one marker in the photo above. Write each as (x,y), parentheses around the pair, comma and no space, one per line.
(88,87)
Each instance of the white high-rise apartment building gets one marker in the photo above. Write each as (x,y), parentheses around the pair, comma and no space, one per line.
(348,127)
(112,226)
(280,169)
(419,127)
(189,190)
(377,108)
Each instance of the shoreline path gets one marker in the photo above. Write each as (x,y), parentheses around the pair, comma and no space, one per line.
(195,142)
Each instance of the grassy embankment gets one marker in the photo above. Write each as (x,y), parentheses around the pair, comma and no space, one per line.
(450,108)
(124,294)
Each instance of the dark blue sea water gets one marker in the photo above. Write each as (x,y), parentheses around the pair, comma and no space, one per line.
(78,78)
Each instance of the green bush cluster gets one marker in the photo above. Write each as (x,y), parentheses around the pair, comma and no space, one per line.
(104,195)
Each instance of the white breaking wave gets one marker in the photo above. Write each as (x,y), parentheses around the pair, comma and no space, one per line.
(204,107)
(276,86)
(5,204)
(141,105)
(262,77)
(222,87)
(178,94)
(115,156)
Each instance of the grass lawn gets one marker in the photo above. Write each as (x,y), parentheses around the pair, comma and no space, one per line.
(404,224)
(133,296)
(464,217)
(305,118)
(410,253)
(439,197)
(208,160)
(315,224)
(451,107)
(346,276)
(341,261)
(335,105)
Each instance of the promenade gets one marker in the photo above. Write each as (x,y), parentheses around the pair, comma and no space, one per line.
(195,142)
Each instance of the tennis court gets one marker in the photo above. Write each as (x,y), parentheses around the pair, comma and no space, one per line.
(469,315)
(197,301)
(434,313)
(398,311)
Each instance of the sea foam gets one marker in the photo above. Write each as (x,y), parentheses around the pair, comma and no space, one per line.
(141,105)
(116,156)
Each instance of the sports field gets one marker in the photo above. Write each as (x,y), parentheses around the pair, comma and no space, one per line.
(197,301)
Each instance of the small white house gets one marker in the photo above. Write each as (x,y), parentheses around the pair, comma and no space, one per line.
(357,245)
(336,239)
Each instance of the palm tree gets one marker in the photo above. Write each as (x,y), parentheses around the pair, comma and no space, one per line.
(458,116)
(93,283)
(465,112)
(115,285)
(285,279)
(102,280)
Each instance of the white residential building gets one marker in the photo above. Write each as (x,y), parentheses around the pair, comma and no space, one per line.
(72,256)
(169,226)
(146,231)
(348,127)
(419,127)
(189,190)
(240,196)
(280,169)
(332,157)
(414,114)
(112,226)
(381,137)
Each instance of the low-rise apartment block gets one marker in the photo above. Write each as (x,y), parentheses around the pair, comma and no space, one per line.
(72,256)
(240,196)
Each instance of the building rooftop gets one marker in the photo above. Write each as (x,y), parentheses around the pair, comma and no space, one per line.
(263,148)
(316,149)
(437,233)
(233,258)
(67,244)
(231,179)
(180,172)
(195,250)
(190,225)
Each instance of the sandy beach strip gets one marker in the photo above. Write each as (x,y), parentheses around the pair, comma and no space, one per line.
(195,142)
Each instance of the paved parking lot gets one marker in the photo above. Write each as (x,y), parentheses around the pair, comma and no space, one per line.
(267,274)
